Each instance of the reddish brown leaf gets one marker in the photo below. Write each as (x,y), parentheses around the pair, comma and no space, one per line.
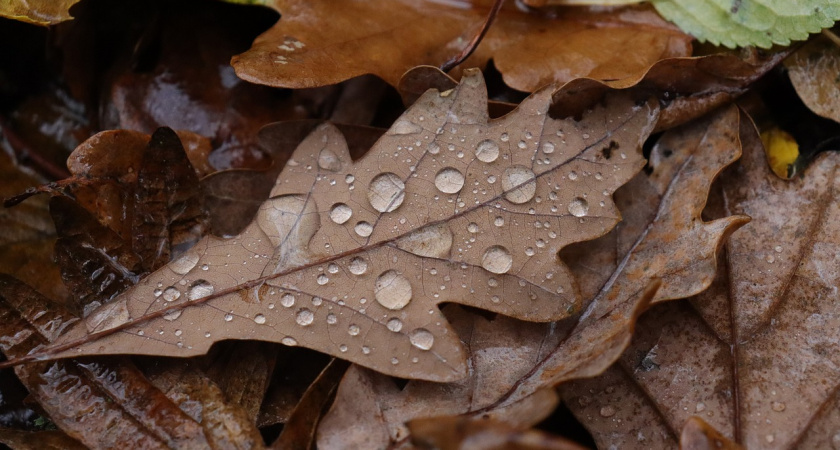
(386,38)
(698,435)
(38,440)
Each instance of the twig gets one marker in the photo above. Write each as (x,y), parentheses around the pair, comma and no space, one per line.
(831,36)
(471,46)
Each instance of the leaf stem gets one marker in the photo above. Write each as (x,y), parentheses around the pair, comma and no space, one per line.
(473,44)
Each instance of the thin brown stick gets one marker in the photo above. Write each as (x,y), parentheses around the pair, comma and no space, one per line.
(831,36)
(473,44)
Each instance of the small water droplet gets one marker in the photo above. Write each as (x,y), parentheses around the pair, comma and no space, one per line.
(200,289)
(259,319)
(340,213)
(519,184)
(207,334)
(421,338)
(328,160)
(332,268)
(304,317)
(171,294)
(316,301)
(386,192)
(607,411)
(499,221)
(449,180)
(178,332)
(770,259)
(184,264)
(395,325)
(405,127)
(472,227)
(228,317)
(289,341)
(548,148)
(392,290)
(205,267)
(497,259)
(529,251)
(172,315)
(363,229)
(505,137)
(700,407)
(487,151)
(522,144)
(395,361)
(578,207)
(342,348)
(778,406)
(353,330)
(349,178)
(366,350)
(573,175)
(778,249)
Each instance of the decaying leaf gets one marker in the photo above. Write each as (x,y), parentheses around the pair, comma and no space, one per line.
(351,259)
(754,356)
(661,237)
(814,71)
(386,38)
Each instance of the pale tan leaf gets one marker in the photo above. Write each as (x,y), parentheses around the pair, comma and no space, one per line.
(754,356)
(352,259)
(814,70)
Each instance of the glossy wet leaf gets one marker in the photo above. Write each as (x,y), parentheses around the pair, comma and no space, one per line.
(752,356)
(741,23)
(661,241)
(38,12)
(529,49)
(351,259)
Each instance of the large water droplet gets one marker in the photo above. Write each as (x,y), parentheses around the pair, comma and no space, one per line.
(289,341)
(287,300)
(108,316)
(394,325)
(322,279)
(172,315)
(304,317)
(487,151)
(421,338)
(405,127)
(392,290)
(519,184)
(497,259)
(200,289)
(449,180)
(184,264)
(358,266)
(340,213)
(259,319)
(433,241)
(171,294)
(353,330)
(548,148)
(386,192)
(578,207)
(363,229)
(328,160)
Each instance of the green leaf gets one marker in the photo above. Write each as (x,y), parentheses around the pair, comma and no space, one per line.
(738,23)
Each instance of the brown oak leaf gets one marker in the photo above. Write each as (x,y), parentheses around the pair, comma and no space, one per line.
(352,259)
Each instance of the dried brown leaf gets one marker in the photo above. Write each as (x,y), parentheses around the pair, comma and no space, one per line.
(753,356)
(315,45)
(662,240)
(699,435)
(366,289)
(454,433)
(814,70)
(38,440)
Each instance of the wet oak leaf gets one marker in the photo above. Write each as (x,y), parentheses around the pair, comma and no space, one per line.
(814,70)
(313,44)
(351,259)
(661,238)
(754,355)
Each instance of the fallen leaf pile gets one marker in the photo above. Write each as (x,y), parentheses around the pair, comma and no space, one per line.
(376,244)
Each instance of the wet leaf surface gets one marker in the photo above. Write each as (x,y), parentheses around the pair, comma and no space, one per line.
(286,277)
(661,241)
(751,356)
(814,70)
(388,38)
